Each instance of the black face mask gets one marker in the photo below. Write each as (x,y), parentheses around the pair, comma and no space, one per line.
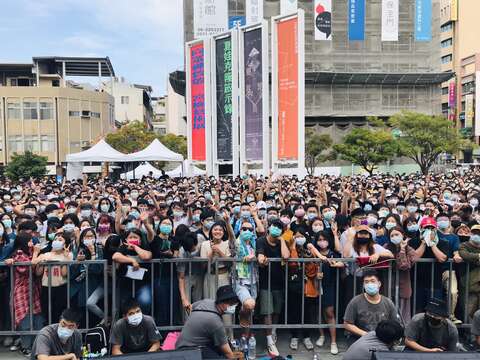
(464,238)
(363,240)
(433,321)
(455,223)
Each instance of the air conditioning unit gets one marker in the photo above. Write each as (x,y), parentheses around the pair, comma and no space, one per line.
(85,113)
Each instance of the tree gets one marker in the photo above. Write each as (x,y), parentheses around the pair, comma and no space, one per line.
(25,166)
(315,148)
(177,143)
(131,137)
(367,148)
(423,137)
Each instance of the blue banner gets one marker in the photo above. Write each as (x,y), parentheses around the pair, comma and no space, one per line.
(423,20)
(233,21)
(356,20)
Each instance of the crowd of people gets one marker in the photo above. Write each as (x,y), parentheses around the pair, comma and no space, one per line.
(406,249)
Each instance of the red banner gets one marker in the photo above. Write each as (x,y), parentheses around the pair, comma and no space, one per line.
(197,68)
(288,89)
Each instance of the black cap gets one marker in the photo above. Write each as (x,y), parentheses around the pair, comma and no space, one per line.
(226,294)
(437,307)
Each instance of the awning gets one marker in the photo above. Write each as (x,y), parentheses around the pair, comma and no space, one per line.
(324,77)
(100,152)
(156,151)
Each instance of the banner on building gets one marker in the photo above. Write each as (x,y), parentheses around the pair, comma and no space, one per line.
(197,101)
(254,11)
(452,95)
(287,89)
(423,20)
(210,17)
(356,20)
(468,110)
(477,104)
(390,20)
(253,95)
(223,57)
(323,19)
(288,6)
(236,21)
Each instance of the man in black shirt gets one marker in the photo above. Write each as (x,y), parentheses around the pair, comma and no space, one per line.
(271,287)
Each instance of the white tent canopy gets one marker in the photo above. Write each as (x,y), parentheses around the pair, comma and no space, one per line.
(142,170)
(156,151)
(100,152)
(182,170)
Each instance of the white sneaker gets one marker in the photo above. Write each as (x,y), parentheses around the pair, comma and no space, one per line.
(320,341)
(294,343)
(333,349)
(308,343)
(272,350)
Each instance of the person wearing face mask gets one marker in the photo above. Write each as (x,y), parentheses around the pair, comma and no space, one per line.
(134,332)
(299,221)
(61,341)
(405,258)
(432,331)
(207,219)
(196,219)
(366,310)
(105,227)
(470,253)
(204,328)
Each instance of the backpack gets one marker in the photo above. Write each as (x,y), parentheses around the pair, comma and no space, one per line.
(97,338)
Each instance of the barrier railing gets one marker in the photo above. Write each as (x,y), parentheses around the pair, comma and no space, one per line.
(159,291)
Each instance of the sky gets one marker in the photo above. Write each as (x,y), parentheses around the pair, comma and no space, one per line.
(142,38)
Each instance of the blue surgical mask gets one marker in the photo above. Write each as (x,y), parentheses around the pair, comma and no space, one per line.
(300,241)
(396,239)
(275,231)
(475,238)
(196,218)
(231,309)
(64,333)
(209,224)
(165,229)
(236,210)
(413,228)
(412,209)
(246,235)
(68,227)
(371,289)
(135,214)
(328,215)
(57,245)
(246,214)
(311,216)
(7,223)
(443,224)
(390,225)
(367,207)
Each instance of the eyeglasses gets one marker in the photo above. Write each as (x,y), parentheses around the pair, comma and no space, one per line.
(246,229)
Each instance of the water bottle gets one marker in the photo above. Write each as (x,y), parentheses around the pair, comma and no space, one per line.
(252,348)
(244,346)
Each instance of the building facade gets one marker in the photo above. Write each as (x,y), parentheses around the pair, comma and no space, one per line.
(348,81)
(41,111)
(176,111)
(159,122)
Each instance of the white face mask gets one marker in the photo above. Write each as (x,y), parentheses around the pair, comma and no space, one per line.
(300,241)
(135,319)
(231,309)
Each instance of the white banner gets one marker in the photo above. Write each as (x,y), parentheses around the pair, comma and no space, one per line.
(323,19)
(210,17)
(288,6)
(477,104)
(389,20)
(254,11)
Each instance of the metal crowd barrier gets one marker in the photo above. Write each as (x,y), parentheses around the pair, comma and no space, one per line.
(112,296)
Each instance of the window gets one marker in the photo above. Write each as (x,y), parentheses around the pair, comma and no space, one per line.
(446,27)
(74,113)
(30,110)
(468,87)
(31,143)
(46,110)
(47,143)
(15,143)
(14,111)
(85,113)
(95,114)
(444,90)
(446,59)
(124,100)
(56,83)
(446,43)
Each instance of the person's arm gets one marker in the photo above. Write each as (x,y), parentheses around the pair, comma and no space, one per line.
(57,357)
(116,350)
(183,295)
(469,257)
(154,347)
(225,349)
(439,255)
(421,249)
(284,249)
(143,254)
(412,344)
(354,329)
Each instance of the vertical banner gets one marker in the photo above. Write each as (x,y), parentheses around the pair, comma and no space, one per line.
(254,11)
(423,20)
(451,95)
(477,104)
(197,102)
(288,6)
(210,17)
(356,20)
(468,110)
(390,13)
(223,60)
(253,95)
(287,89)
(323,19)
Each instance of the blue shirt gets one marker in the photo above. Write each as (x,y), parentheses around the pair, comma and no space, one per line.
(453,241)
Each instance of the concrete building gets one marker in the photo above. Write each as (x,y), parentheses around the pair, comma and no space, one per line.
(132,101)
(42,111)
(176,106)
(347,81)
(159,121)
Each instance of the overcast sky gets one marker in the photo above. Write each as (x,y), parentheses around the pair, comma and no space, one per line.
(143,38)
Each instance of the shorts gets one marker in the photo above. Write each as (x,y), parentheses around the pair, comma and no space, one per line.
(328,296)
(271,302)
(245,291)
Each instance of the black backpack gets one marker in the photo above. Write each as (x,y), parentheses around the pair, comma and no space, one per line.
(97,339)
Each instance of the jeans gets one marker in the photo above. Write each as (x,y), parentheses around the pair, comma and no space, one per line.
(94,299)
(37,323)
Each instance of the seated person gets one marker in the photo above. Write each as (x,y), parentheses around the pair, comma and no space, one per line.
(386,335)
(475,330)
(204,327)
(366,310)
(134,332)
(432,331)
(60,341)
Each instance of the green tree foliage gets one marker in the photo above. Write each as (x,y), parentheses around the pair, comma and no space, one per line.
(175,143)
(25,166)
(315,150)
(367,148)
(424,137)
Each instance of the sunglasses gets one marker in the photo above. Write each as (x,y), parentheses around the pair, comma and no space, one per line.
(246,229)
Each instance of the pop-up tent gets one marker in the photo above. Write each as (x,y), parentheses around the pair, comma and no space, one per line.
(142,170)
(100,152)
(182,170)
(156,151)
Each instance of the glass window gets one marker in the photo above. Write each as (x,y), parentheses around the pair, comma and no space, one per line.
(446,27)
(47,143)
(125,100)
(446,59)
(444,90)
(30,110)
(46,110)
(74,113)
(15,143)
(95,114)
(14,111)
(446,43)
(31,143)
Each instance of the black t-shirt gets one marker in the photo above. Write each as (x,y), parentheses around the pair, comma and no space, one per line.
(159,248)
(123,249)
(133,339)
(277,279)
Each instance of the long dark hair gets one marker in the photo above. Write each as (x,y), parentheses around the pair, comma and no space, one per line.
(370,247)
(21,242)
(392,247)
